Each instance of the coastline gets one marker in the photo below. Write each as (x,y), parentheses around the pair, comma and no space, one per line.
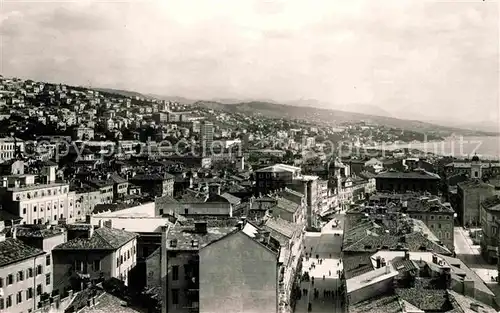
(456,146)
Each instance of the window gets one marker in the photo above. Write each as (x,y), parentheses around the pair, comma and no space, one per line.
(9,301)
(432,217)
(24,210)
(10,279)
(97,265)
(175,296)
(20,276)
(1,282)
(29,293)
(34,208)
(39,270)
(47,260)
(55,217)
(79,265)
(2,304)
(439,225)
(175,272)
(118,261)
(121,259)
(47,279)
(38,290)
(128,254)
(30,272)
(19,297)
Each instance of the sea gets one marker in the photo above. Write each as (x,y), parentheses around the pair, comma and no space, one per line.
(457,146)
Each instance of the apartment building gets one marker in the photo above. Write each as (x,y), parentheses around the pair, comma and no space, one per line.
(101,254)
(155,184)
(490,215)
(179,263)
(8,148)
(23,279)
(37,203)
(45,238)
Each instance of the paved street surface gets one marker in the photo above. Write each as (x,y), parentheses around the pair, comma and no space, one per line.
(470,254)
(327,247)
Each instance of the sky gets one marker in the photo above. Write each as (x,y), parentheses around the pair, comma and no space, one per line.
(412,58)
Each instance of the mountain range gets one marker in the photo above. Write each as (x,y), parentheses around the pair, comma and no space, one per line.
(325,112)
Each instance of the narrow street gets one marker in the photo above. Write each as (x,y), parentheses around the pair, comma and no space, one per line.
(325,246)
(470,254)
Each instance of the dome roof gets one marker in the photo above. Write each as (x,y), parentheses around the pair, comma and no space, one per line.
(475,158)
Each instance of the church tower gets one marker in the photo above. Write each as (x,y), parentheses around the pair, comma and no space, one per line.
(475,168)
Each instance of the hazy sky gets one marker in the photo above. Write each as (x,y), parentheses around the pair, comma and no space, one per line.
(412,58)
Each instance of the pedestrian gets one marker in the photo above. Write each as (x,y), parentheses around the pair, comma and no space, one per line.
(329,273)
(323,277)
(309,307)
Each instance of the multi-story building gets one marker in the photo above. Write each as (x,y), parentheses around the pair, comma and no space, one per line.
(37,203)
(156,185)
(474,168)
(106,189)
(228,280)
(419,180)
(206,136)
(275,177)
(437,216)
(83,133)
(120,186)
(490,215)
(180,264)
(101,254)
(470,194)
(86,198)
(7,149)
(160,117)
(45,238)
(23,278)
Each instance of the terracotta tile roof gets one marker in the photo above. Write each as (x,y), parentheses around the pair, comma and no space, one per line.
(38,231)
(230,198)
(186,238)
(492,203)
(384,304)
(356,264)
(14,250)
(433,300)
(287,205)
(414,242)
(102,239)
(282,226)
(117,179)
(408,175)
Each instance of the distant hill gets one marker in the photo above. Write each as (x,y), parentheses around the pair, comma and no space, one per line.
(181,100)
(124,93)
(275,110)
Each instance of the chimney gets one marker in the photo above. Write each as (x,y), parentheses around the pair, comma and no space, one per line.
(387,269)
(379,261)
(265,237)
(407,254)
(91,231)
(382,262)
(469,289)
(88,219)
(14,232)
(240,225)
(200,227)
(434,259)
